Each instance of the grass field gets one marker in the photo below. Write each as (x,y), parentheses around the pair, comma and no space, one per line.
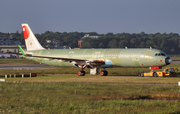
(17,61)
(79,97)
(175,58)
(89,94)
(60,90)
(97,79)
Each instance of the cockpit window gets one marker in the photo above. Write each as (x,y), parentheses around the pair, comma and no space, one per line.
(163,54)
(160,54)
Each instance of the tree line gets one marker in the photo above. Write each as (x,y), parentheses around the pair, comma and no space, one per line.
(169,43)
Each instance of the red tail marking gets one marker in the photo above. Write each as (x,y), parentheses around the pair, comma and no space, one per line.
(25,32)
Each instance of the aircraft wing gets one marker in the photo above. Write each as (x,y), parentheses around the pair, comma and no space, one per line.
(72,60)
(65,59)
(76,62)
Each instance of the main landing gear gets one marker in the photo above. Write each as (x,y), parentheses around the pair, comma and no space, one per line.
(104,72)
(82,72)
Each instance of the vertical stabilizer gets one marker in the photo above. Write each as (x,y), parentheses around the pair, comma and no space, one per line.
(31,41)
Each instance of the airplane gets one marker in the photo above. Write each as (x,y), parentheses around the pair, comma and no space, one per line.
(92,58)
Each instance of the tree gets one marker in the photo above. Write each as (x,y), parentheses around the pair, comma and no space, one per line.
(101,45)
(123,43)
(113,43)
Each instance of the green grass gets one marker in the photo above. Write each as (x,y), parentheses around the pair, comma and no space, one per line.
(175,58)
(91,79)
(89,98)
(17,61)
(53,91)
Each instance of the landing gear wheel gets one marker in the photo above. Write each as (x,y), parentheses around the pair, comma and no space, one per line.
(141,74)
(106,72)
(103,73)
(155,74)
(81,73)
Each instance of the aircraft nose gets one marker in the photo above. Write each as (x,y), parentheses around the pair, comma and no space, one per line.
(168,60)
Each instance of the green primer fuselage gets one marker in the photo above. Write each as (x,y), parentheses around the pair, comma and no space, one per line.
(112,57)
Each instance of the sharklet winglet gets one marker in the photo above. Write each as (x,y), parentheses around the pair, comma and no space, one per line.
(22,51)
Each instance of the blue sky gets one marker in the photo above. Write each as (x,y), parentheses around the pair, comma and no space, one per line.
(101,16)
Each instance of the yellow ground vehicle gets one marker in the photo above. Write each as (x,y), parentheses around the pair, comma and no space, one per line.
(167,72)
